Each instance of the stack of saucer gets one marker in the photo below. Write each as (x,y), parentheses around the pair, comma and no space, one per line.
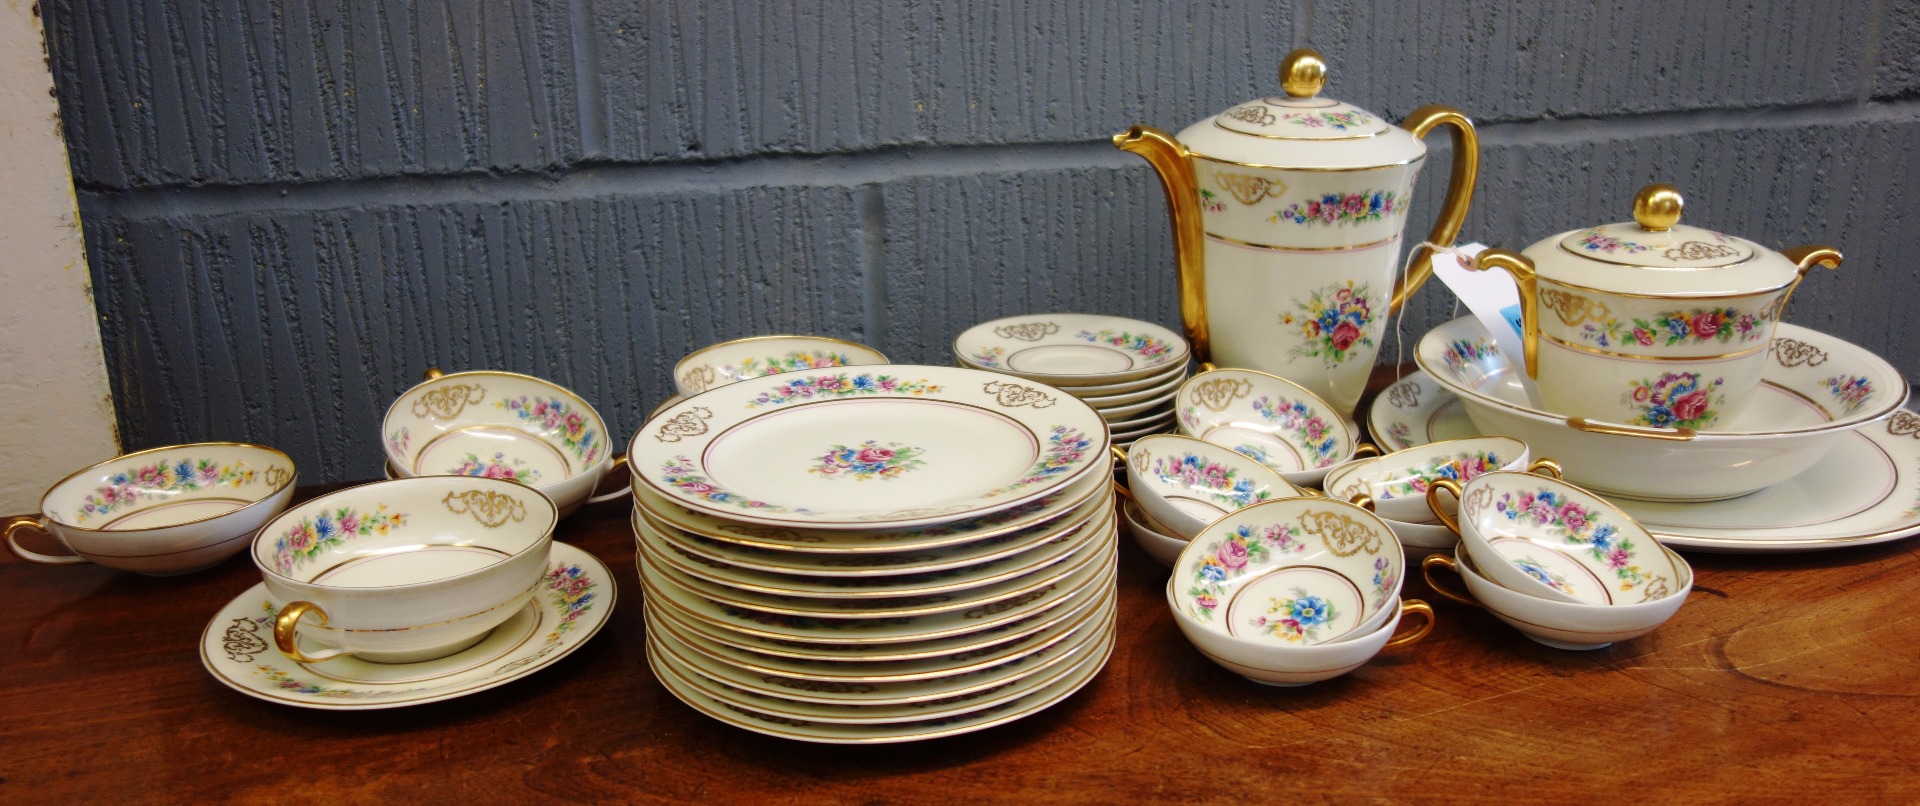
(875,554)
(1127,370)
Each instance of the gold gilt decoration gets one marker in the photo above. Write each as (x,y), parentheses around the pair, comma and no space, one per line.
(904,601)
(689,423)
(489,508)
(277,476)
(820,686)
(1700,250)
(243,640)
(1249,189)
(1344,536)
(1656,588)
(448,401)
(552,644)
(1795,353)
(881,561)
(1219,393)
(1005,605)
(1478,500)
(1573,309)
(1904,424)
(1140,459)
(771,533)
(698,379)
(918,512)
(1027,331)
(1013,395)
(1255,114)
(1405,396)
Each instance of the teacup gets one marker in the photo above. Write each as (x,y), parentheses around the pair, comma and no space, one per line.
(1186,483)
(1291,572)
(1547,538)
(1277,422)
(162,511)
(406,570)
(1288,666)
(759,356)
(1398,481)
(1561,625)
(502,425)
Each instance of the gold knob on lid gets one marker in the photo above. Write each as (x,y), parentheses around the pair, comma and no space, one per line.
(1303,73)
(1657,207)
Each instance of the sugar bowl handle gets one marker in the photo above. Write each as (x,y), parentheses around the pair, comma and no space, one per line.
(1521,268)
(288,642)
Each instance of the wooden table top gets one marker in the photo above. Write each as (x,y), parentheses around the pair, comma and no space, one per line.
(1782,675)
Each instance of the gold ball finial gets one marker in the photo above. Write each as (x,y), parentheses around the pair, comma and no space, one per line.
(1303,73)
(1657,207)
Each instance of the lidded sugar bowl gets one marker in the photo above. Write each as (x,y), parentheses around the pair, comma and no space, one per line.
(1651,322)
(1287,216)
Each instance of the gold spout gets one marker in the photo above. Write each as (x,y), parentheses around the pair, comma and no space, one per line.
(1170,160)
(1453,213)
(1806,257)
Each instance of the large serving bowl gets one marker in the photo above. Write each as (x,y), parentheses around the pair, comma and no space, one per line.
(1276,421)
(501,425)
(1186,483)
(162,511)
(760,356)
(1561,625)
(1815,389)
(405,570)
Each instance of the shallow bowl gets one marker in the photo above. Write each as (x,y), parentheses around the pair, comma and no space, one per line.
(1398,481)
(1276,421)
(1561,625)
(1186,483)
(1287,666)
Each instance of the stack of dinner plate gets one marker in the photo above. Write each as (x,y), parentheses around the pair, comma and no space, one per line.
(875,554)
(1127,370)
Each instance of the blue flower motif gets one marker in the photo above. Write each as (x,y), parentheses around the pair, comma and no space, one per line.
(1678,327)
(323,526)
(1448,470)
(1213,573)
(863,382)
(1310,611)
(1659,416)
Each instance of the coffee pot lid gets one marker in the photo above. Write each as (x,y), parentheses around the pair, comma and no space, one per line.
(1300,130)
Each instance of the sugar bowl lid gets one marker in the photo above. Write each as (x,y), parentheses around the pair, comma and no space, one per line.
(1301,129)
(1656,254)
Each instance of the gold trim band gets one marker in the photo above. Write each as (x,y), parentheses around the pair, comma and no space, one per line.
(1216,123)
(1637,357)
(1673,296)
(1272,248)
(1748,259)
(1401,164)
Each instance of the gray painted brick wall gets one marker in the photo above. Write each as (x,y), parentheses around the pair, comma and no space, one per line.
(293,206)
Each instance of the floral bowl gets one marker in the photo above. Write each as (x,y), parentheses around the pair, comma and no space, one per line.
(757,357)
(1159,541)
(1814,389)
(1290,573)
(405,570)
(1072,349)
(501,425)
(162,511)
(1272,665)
(1398,481)
(1186,483)
(1546,538)
(1561,625)
(1276,421)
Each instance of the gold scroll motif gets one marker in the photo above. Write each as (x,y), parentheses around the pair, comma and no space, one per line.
(1405,396)
(698,379)
(489,508)
(1796,353)
(689,423)
(1700,250)
(1013,395)
(277,476)
(1249,189)
(448,401)
(771,533)
(1219,393)
(1139,459)
(1478,500)
(242,640)
(1027,331)
(1344,536)
(1904,424)
(1255,114)
(1656,589)
(1574,309)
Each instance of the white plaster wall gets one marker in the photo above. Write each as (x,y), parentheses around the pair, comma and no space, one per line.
(52,376)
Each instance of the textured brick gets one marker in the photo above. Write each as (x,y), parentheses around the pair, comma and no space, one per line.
(232,91)
(297,328)
(1897,74)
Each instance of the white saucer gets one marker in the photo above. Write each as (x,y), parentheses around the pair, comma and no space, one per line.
(237,647)
(1866,490)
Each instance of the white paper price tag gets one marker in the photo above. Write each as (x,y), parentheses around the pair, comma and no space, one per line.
(1494,300)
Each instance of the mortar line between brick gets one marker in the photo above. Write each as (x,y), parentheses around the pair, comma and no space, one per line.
(869,167)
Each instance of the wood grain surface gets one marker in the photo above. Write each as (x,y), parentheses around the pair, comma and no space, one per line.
(1783,677)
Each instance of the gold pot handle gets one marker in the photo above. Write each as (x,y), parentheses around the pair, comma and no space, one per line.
(34,522)
(1521,267)
(1433,502)
(1416,607)
(283,632)
(1806,257)
(432,373)
(1546,467)
(1438,560)
(1453,213)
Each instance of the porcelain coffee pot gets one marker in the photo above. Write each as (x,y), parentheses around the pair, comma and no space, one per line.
(1651,323)
(1287,215)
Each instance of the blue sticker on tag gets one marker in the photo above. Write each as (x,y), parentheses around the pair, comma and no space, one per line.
(1512,314)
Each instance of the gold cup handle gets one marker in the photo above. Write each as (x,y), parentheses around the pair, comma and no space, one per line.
(1546,467)
(1453,213)
(432,373)
(1521,268)
(1365,449)
(618,462)
(1361,500)
(1433,503)
(283,632)
(32,522)
(1415,607)
(1439,560)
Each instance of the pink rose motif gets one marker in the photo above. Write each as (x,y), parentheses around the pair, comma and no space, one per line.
(1343,295)
(874,455)
(1706,324)
(1540,511)
(1232,555)
(350,524)
(696,487)
(1344,335)
(299,539)
(493,472)
(1691,406)
(1206,602)
(1316,429)
(1574,516)
(1641,335)
(1617,558)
